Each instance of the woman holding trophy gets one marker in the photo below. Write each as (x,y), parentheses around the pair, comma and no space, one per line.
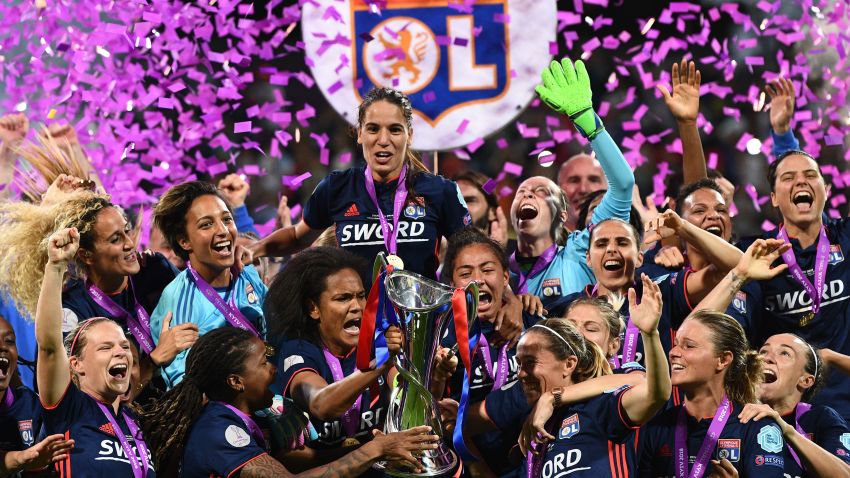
(315,306)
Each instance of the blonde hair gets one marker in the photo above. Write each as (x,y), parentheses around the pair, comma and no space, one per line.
(49,158)
(565,340)
(26,231)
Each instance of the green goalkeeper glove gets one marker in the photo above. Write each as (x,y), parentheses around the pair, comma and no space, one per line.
(567,90)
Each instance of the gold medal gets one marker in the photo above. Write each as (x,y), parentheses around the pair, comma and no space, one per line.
(806,318)
(350,441)
(395,261)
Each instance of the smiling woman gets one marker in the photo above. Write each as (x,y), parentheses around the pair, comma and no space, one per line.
(393,204)
(215,290)
(98,357)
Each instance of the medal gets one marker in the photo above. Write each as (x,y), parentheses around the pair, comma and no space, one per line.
(814,290)
(395,261)
(390,233)
(806,318)
(350,441)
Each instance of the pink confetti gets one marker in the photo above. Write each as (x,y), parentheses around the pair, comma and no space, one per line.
(242,127)
(512,169)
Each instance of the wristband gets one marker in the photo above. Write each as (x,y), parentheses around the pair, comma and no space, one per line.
(588,123)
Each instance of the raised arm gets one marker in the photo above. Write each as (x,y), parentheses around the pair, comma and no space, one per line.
(643,401)
(683,103)
(13,129)
(720,254)
(755,264)
(53,368)
(781,93)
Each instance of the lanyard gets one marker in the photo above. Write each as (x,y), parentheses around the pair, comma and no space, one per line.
(721,416)
(351,418)
(390,236)
(500,377)
(140,469)
(139,325)
(815,290)
(540,264)
(8,400)
(801,409)
(630,341)
(249,422)
(231,313)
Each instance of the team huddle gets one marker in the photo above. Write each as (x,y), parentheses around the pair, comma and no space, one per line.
(613,340)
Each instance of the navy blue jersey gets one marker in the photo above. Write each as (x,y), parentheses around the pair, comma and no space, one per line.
(436,210)
(219,444)
(97,451)
(20,423)
(297,356)
(148,284)
(482,383)
(755,449)
(823,426)
(675,308)
(507,408)
(649,267)
(592,438)
(780,303)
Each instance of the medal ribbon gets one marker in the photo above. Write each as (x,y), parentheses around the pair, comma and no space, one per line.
(467,344)
(821,262)
(139,325)
(140,469)
(721,416)
(630,340)
(249,422)
(540,264)
(501,375)
(231,313)
(351,418)
(377,317)
(8,400)
(534,463)
(390,236)
(801,409)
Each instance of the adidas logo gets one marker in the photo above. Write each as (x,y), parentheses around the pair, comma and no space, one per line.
(107,428)
(352,211)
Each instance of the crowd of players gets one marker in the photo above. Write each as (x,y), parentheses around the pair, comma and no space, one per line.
(615,340)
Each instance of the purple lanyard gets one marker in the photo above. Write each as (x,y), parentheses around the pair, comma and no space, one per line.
(230,312)
(390,236)
(821,262)
(540,264)
(140,470)
(801,409)
(8,400)
(630,341)
(140,325)
(721,416)
(501,375)
(351,418)
(534,463)
(249,422)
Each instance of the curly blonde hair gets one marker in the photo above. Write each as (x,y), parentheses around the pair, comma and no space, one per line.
(49,158)
(26,230)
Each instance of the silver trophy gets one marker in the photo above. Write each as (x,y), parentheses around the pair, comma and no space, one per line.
(423,306)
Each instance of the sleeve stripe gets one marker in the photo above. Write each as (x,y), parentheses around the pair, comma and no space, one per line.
(286,388)
(243,464)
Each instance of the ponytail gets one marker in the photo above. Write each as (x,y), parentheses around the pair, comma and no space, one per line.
(166,423)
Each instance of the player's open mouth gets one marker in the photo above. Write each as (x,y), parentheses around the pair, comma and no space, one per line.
(613,265)
(223,248)
(118,371)
(716,230)
(383,156)
(677,367)
(5,364)
(131,257)
(769,376)
(803,200)
(526,211)
(351,326)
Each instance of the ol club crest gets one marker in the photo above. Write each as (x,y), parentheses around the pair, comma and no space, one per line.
(468,69)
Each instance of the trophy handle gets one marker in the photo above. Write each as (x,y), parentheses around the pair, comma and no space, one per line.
(380,264)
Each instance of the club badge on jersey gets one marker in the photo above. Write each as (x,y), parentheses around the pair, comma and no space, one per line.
(569,427)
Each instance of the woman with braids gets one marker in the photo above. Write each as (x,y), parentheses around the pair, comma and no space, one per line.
(111,278)
(214,290)
(204,425)
(718,374)
(817,438)
(81,381)
(393,204)
(314,307)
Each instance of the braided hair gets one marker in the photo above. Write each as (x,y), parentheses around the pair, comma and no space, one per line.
(166,423)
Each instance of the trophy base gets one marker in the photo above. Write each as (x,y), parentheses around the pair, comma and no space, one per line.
(448,467)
